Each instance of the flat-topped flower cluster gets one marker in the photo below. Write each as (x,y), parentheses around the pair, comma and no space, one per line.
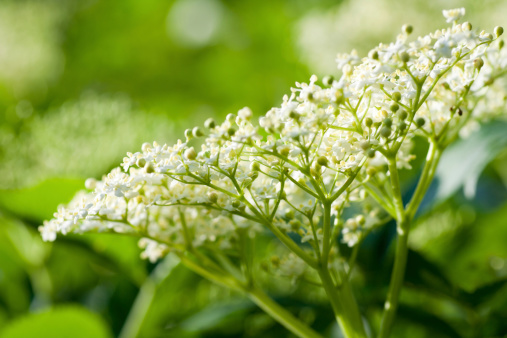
(327,145)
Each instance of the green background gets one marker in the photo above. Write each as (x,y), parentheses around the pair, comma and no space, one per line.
(83,82)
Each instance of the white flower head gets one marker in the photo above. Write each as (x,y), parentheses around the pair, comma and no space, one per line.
(453,15)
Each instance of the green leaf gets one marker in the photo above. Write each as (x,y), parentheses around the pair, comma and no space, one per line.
(40,201)
(61,322)
(464,161)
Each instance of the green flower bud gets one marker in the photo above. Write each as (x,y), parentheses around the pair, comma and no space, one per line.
(328,80)
(230,117)
(498,31)
(388,122)
(402,114)
(188,134)
(365,145)
(368,122)
(235,204)
(396,96)
(213,197)
(404,57)
(385,132)
(294,115)
(466,26)
(370,153)
(141,162)
(371,171)
(255,166)
(373,54)
(323,161)
(419,122)
(501,43)
(197,132)
(210,123)
(190,154)
(407,29)
(149,168)
(478,63)
(394,107)
(360,220)
(231,131)
(402,126)
(285,151)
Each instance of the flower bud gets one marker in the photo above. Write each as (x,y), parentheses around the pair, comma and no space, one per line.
(396,96)
(402,114)
(368,122)
(284,151)
(141,162)
(370,153)
(236,204)
(388,122)
(231,131)
(360,220)
(419,122)
(197,132)
(373,54)
(213,197)
(478,63)
(294,115)
(188,134)
(328,80)
(210,123)
(90,183)
(230,118)
(365,145)
(190,154)
(501,43)
(323,161)
(466,26)
(149,168)
(146,147)
(385,132)
(402,126)
(407,29)
(394,107)
(498,31)
(404,57)
(255,166)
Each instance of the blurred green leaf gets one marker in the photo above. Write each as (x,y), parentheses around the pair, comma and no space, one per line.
(432,324)
(61,322)
(216,315)
(464,161)
(40,201)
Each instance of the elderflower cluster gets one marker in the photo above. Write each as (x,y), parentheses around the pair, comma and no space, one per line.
(327,141)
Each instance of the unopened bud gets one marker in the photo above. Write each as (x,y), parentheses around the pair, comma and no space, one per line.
(190,154)
(498,31)
(402,114)
(419,122)
(388,122)
(407,29)
(373,55)
(188,134)
(368,122)
(323,161)
(90,183)
(370,153)
(385,132)
(255,166)
(210,123)
(466,26)
(327,80)
(213,197)
(149,168)
(197,132)
(478,63)
(404,57)
(141,162)
(394,107)
(396,96)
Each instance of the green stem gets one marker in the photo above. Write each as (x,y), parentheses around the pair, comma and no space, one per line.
(281,315)
(404,218)
(344,305)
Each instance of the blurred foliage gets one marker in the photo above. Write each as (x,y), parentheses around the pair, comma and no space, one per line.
(83,82)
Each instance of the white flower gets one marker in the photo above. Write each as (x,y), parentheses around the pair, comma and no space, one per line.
(453,15)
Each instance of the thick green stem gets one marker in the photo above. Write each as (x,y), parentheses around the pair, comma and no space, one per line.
(344,305)
(342,299)
(404,218)
(281,315)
